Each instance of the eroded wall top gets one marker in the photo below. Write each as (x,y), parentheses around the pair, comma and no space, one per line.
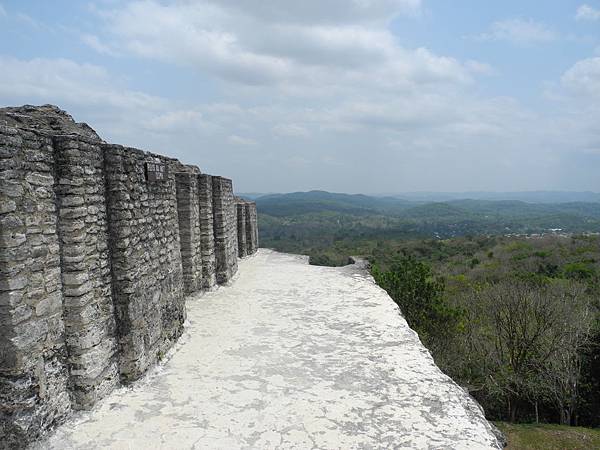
(48,119)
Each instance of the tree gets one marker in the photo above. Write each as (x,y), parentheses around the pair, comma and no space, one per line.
(562,371)
(538,332)
(411,284)
(521,324)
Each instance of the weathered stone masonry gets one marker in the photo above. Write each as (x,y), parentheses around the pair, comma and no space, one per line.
(251,227)
(188,207)
(99,245)
(33,379)
(207,239)
(147,267)
(247,230)
(241,228)
(225,228)
(88,311)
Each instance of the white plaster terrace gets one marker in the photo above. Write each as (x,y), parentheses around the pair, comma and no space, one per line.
(288,356)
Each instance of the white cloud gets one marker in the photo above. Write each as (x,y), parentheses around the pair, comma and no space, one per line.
(31,22)
(63,80)
(178,120)
(478,67)
(239,140)
(584,78)
(92,94)
(339,79)
(586,12)
(249,44)
(319,12)
(94,43)
(2,11)
(519,31)
(573,123)
(290,130)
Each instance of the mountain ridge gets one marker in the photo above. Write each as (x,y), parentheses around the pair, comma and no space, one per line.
(540,196)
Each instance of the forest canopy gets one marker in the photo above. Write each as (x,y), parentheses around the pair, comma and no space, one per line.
(505,294)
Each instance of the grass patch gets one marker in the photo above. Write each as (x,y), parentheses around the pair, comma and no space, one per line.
(549,437)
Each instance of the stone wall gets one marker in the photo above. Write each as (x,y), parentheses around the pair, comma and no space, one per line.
(99,246)
(225,229)
(146,258)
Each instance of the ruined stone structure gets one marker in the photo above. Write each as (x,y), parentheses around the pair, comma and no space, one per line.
(99,246)
(251,227)
(247,232)
(225,228)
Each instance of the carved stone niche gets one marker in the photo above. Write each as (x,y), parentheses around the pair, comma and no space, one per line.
(155,171)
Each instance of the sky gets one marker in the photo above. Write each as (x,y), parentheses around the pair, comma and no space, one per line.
(369,96)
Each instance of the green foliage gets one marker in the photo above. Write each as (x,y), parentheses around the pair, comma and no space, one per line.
(420,296)
(580,270)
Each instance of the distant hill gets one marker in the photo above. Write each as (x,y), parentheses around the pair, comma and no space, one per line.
(250,195)
(438,211)
(298,203)
(319,219)
(527,196)
(430,197)
(515,209)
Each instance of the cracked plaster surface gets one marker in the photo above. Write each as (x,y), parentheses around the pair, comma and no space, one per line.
(288,356)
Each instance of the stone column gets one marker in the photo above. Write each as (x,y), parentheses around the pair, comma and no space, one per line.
(207,237)
(188,210)
(90,330)
(225,229)
(33,374)
(241,228)
(251,227)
